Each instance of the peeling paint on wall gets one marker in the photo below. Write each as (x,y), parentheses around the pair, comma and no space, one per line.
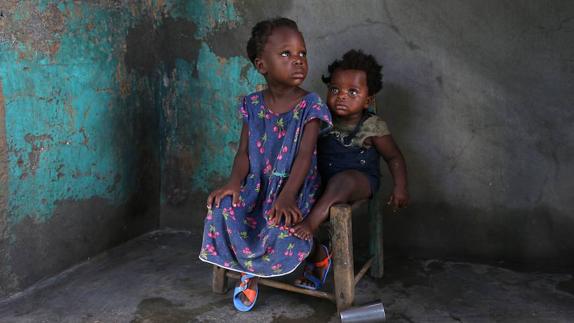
(208,15)
(214,99)
(80,128)
(3,166)
(62,109)
(61,146)
(7,278)
(199,105)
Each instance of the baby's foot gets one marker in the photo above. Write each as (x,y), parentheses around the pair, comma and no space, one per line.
(304,230)
(317,271)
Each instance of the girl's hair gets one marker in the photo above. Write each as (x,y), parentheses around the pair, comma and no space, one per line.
(261,31)
(357,60)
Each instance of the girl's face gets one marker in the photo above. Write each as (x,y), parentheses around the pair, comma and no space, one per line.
(348,93)
(284,58)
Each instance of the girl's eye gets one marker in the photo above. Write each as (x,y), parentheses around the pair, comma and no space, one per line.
(353,92)
(333,90)
(303,54)
(285,53)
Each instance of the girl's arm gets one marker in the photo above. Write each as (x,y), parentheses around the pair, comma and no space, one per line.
(239,171)
(286,203)
(387,148)
(240,167)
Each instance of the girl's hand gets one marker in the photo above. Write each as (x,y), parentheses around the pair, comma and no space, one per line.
(399,198)
(285,207)
(228,189)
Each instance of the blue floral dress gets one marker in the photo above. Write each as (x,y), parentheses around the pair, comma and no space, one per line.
(239,238)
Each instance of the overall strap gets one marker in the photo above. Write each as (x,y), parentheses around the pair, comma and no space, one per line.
(347,139)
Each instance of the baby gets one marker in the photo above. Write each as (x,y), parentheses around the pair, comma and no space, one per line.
(348,154)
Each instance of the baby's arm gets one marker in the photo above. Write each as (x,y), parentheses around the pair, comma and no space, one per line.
(286,203)
(238,173)
(387,148)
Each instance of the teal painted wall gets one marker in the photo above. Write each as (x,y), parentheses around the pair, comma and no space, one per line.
(108,110)
(70,106)
(199,108)
(76,133)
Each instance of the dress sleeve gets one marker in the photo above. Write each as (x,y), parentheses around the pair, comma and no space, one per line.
(243,113)
(314,108)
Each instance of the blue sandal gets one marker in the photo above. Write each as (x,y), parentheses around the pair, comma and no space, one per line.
(308,272)
(250,293)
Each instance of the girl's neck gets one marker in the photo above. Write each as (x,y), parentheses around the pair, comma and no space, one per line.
(276,92)
(280,99)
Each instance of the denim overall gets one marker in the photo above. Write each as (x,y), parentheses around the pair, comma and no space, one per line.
(335,156)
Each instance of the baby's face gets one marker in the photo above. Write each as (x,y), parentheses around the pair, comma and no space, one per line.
(348,93)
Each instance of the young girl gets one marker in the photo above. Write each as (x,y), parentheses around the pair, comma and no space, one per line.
(349,152)
(274,176)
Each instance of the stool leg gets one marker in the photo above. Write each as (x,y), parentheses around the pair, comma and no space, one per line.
(376,237)
(342,243)
(219,280)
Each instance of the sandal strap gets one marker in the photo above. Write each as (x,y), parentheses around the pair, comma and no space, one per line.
(325,262)
(245,278)
(313,279)
(244,281)
(250,294)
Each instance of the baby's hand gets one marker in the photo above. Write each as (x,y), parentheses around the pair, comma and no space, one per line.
(399,198)
(287,207)
(227,189)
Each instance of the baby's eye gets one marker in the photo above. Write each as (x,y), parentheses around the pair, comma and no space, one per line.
(303,54)
(333,90)
(353,92)
(285,53)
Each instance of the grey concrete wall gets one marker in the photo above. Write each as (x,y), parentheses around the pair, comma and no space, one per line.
(478,95)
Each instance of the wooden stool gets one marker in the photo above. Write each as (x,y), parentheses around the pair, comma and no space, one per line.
(345,279)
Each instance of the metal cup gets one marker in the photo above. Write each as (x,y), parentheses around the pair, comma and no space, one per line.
(372,312)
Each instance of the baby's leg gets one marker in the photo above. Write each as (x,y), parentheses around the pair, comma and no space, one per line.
(345,187)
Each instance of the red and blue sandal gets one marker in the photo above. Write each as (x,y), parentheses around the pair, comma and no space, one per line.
(250,293)
(308,276)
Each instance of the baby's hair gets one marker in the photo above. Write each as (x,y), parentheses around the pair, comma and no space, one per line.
(261,31)
(357,60)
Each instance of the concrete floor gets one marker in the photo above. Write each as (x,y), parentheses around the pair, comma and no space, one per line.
(158,278)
